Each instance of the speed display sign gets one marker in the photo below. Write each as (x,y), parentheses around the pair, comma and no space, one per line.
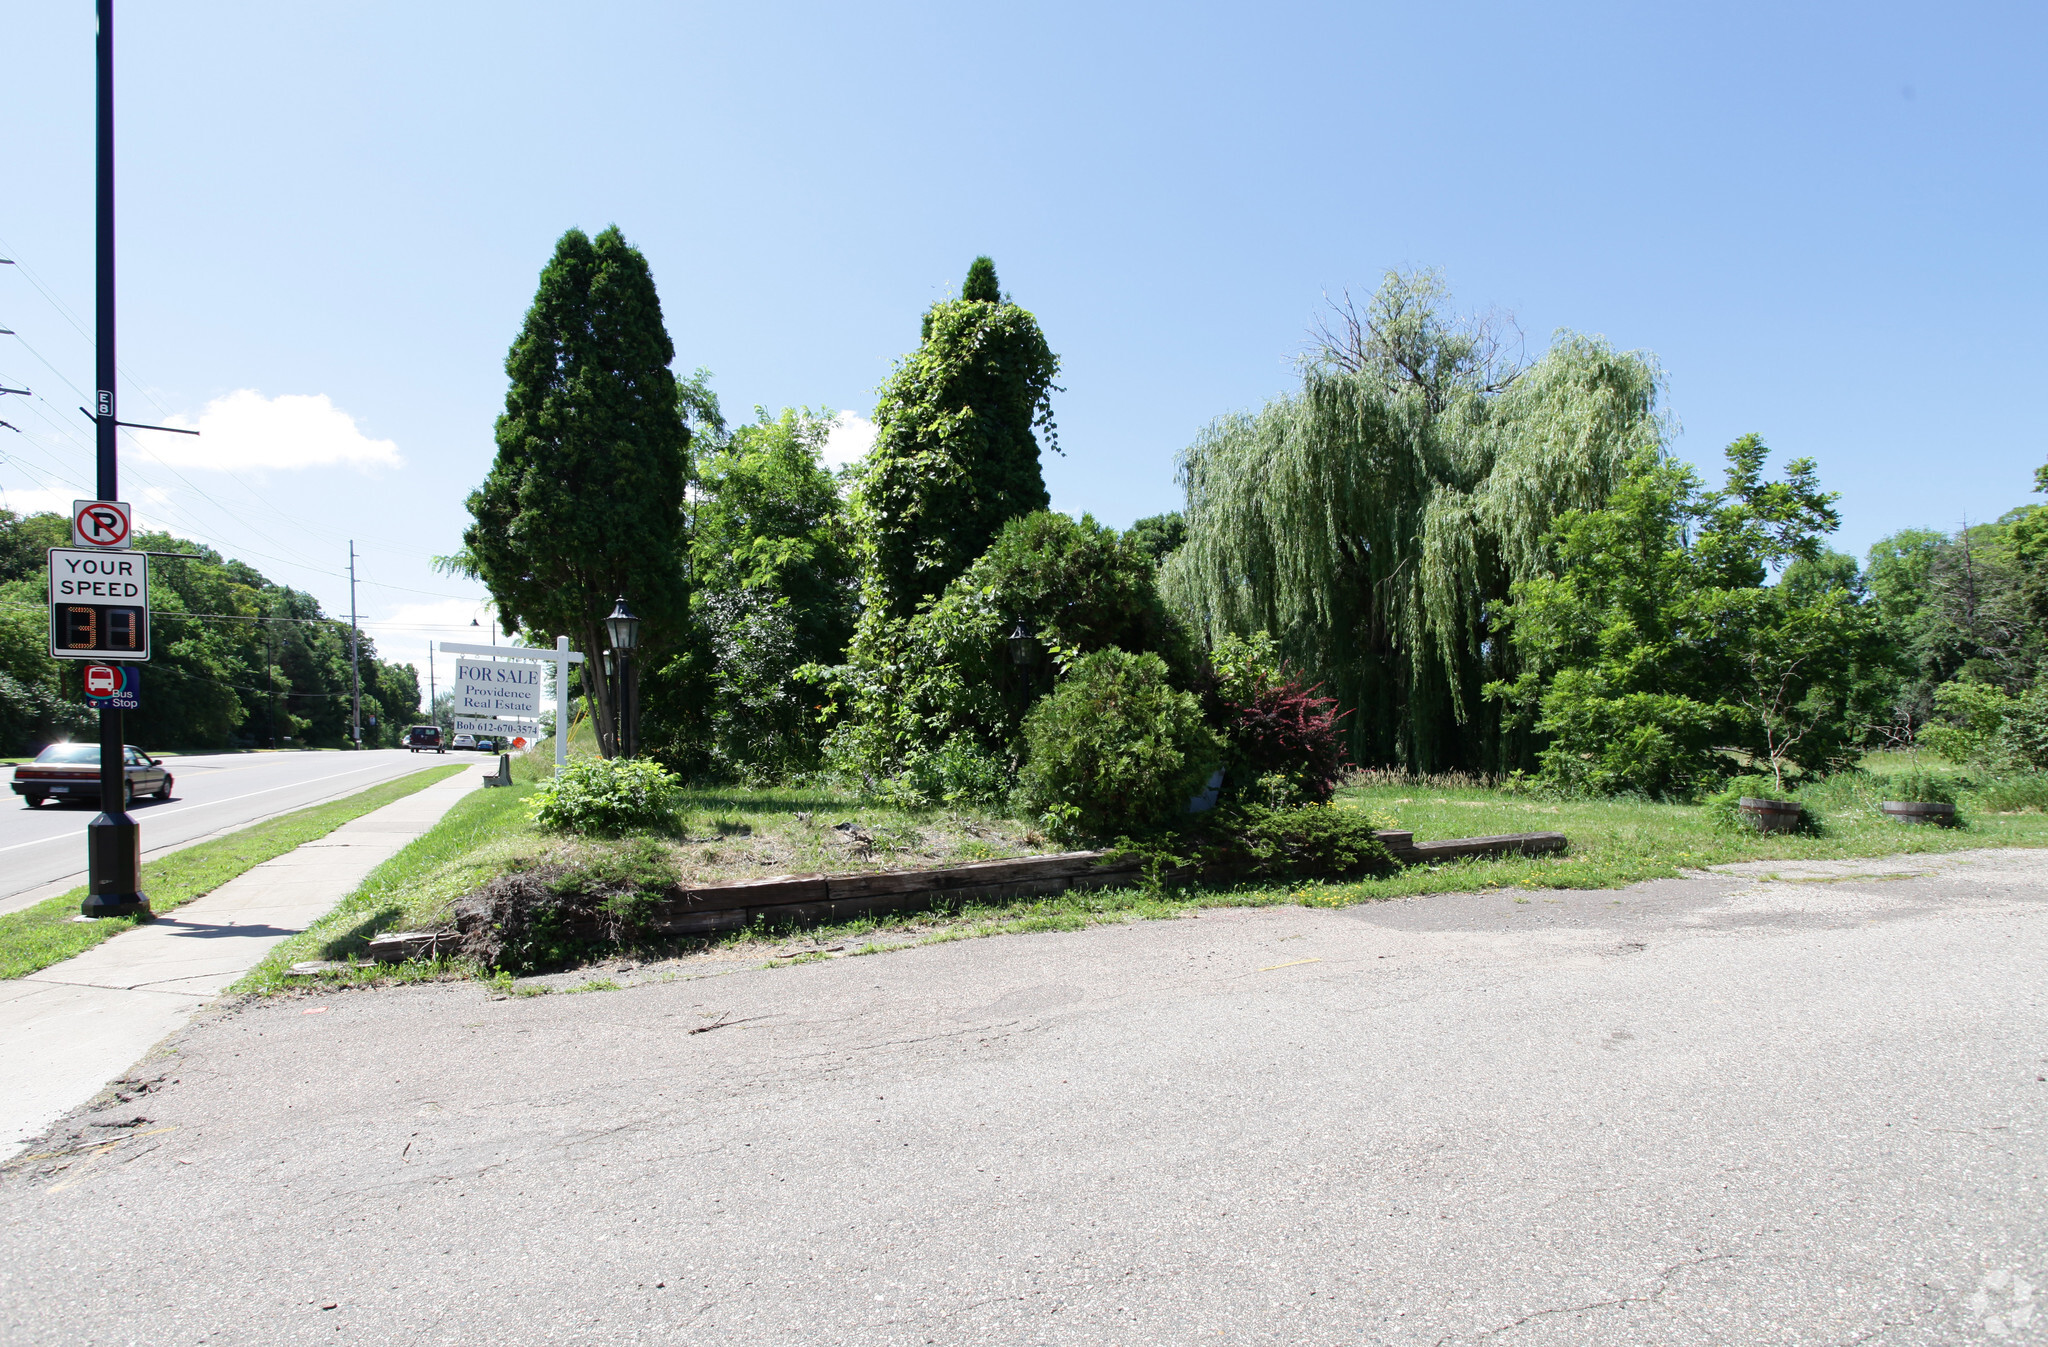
(99,604)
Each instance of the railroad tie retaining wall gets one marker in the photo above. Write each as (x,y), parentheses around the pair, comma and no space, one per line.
(714,909)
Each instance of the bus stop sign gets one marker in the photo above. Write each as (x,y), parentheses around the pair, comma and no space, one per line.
(114,687)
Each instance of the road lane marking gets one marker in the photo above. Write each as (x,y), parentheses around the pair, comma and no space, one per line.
(207,804)
(1292,963)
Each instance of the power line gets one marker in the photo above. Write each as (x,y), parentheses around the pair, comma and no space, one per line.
(254,495)
(168,502)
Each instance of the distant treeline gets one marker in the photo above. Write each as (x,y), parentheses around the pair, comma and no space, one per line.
(236,660)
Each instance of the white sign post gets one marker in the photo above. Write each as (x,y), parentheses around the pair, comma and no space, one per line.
(517,694)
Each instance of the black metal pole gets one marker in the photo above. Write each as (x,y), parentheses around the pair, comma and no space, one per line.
(617,678)
(629,699)
(355,640)
(113,842)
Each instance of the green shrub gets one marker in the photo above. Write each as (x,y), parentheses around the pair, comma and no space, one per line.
(2022,742)
(946,681)
(1989,727)
(958,772)
(1246,666)
(1602,742)
(1309,841)
(2010,794)
(1921,787)
(1724,806)
(608,796)
(1116,748)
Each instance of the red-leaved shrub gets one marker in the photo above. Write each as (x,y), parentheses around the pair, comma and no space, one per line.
(1289,729)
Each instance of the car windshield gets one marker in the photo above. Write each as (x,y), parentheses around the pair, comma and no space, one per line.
(70,753)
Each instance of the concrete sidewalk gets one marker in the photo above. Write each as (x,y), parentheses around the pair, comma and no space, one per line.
(69,1029)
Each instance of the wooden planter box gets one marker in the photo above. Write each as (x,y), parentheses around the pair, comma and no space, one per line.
(1771,816)
(1937,812)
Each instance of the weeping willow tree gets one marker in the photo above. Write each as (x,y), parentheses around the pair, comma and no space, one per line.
(1374,520)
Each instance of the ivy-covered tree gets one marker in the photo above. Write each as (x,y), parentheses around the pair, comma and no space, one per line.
(935,712)
(956,449)
(584,503)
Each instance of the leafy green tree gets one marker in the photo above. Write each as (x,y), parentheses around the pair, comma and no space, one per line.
(1159,536)
(933,707)
(236,659)
(2029,531)
(1657,641)
(771,548)
(1967,604)
(584,502)
(955,453)
(24,543)
(1375,520)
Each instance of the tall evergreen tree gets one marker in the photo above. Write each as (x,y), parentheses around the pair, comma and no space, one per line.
(584,501)
(981,281)
(955,454)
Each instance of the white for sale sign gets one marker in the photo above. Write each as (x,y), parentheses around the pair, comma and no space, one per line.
(497,688)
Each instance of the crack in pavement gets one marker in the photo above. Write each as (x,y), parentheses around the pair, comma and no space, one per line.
(1663,1277)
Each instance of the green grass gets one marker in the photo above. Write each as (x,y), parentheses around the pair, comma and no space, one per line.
(1612,843)
(39,936)
(456,856)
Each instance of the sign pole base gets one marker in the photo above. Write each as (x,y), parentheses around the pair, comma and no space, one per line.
(113,841)
(113,846)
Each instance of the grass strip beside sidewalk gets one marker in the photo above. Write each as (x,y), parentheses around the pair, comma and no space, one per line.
(39,936)
(452,858)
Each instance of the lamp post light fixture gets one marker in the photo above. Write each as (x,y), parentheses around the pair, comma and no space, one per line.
(1023,645)
(622,626)
(624,629)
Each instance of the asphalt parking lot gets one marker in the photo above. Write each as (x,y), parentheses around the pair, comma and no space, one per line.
(1725,1109)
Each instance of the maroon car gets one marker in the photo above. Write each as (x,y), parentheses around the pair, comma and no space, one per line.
(72,772)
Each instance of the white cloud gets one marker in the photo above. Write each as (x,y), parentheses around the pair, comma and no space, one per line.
(849,440)
(246,430)
(34,500)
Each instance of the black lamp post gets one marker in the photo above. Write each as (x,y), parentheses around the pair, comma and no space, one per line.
(624,630)
(1023,645)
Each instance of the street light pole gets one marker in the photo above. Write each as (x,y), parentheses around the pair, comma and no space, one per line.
(113,841)
(624,629)
(355,640)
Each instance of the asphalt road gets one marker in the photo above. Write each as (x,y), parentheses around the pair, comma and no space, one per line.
(1718,1110)
(212,793)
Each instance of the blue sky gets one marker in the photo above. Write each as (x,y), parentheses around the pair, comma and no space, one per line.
(1822,219)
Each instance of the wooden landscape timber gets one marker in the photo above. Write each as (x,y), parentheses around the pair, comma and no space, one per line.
(810,900)
(1405,849)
